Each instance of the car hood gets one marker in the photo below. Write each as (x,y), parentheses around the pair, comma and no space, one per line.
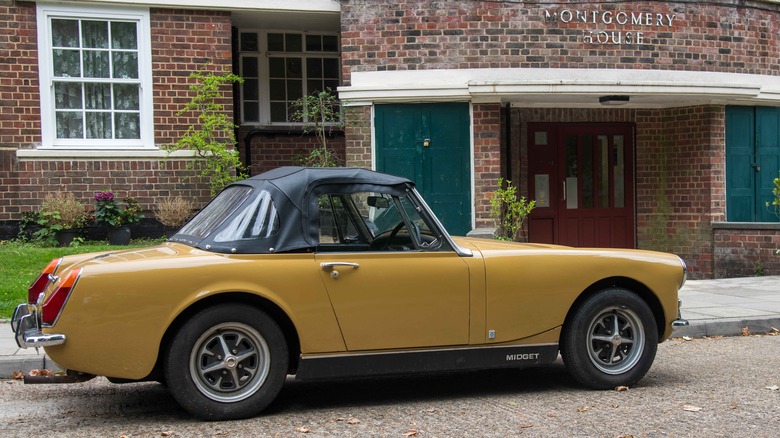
(481,244)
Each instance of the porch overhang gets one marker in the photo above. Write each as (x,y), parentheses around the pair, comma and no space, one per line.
(577,88)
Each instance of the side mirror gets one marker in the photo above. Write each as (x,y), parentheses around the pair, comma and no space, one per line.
(378,202)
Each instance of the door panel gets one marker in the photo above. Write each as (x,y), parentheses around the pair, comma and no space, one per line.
(430,144)
(590,173)
(399,299)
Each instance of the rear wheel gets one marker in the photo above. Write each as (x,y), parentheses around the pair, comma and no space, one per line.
(610,340)
(227,362)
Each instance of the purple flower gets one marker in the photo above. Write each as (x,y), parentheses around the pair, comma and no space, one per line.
(104,196)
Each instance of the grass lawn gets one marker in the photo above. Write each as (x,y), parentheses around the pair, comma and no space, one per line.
(21,263)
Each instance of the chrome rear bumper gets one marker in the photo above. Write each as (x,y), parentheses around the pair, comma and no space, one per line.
(679,322)
(27,326)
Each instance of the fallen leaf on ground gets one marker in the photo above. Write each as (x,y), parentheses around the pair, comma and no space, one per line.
(512,403)
(303,429)
(691,408)
(621,388)
(526,426)
(44,373)
(745,331)
(687,338)
(411,432)
(353,421)
(166,433)
(582,409)
(625,436)
(18,375)
(772,388)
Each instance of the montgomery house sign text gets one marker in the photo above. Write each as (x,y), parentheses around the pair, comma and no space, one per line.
(636,21)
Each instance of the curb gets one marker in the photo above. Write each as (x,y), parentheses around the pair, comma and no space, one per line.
(11,364)
(728,327)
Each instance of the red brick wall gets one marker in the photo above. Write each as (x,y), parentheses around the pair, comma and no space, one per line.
(716,35)
(274,149)
(357,135)
(680,174)
(182,42)
(487,159)
(20,115)
(741,252)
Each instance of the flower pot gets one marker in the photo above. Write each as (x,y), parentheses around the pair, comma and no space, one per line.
(65,237)
(119,236)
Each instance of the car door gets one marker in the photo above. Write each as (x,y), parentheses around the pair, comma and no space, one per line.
(390,294)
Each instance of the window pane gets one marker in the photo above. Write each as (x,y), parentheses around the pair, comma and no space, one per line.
(619,168)
(602,174)
(331,68)
(69,125)
(248,42)
(294,68)
(250,89)
(587,172)
(99,125)
(293,42)
(276,67)
(126,97)
(313,68)
(330,43)
(294,90)
(94,34)
(275,42)
(256,220)
(125,65)
(128,126)
(64,33)
(97,96)
(313,43)
(216,212)
(278,89)
(251,112)
(67,95)
(96,64)
(124,35)
(249,67)
(313,86)
(66,63)
(278,111)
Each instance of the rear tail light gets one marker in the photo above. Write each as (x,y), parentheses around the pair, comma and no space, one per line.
(53,305)
(39,285)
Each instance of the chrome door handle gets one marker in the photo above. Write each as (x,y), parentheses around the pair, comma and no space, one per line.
(330,266)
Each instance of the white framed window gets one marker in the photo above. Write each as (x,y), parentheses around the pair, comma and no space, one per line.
(280,67)
(95,77)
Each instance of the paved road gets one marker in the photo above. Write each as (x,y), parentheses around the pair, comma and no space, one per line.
(703,387)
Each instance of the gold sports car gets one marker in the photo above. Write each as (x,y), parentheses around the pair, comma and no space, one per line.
(332,273)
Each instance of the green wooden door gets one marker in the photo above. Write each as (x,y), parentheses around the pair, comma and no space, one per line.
(429,144)
(752,162)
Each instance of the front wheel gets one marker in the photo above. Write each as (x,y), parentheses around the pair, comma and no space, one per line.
(610,340)
(226,362)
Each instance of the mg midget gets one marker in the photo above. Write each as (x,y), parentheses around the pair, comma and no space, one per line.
(334,273)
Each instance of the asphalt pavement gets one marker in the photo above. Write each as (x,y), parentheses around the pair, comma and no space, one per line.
(724,307)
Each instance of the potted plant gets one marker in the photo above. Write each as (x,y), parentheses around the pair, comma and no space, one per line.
(108,212)
(173,213)
(60,216)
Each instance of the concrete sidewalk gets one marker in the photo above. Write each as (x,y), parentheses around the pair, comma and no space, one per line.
(713,307)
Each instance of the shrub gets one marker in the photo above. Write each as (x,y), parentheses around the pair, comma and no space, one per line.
(508,212)
(174,212)
(63,211)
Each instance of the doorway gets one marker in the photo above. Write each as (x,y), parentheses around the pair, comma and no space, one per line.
(581,176)
(430,144)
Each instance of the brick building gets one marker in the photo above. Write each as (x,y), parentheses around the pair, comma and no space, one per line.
(632,124)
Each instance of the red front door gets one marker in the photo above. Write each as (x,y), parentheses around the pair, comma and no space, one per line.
(581,176)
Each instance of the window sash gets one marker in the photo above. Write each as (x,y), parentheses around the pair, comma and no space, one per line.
(94,65)
(274,79)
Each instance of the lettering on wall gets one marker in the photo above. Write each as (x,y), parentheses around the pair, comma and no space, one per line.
(631,26)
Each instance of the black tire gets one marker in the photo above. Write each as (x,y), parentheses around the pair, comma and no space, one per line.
(600,357)
(215,386)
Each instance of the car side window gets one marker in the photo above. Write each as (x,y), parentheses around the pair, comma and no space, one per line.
(336,224)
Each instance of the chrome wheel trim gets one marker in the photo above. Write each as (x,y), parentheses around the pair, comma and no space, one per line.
(230,362)
(616,339)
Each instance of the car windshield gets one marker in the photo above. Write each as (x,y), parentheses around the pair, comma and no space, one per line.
(256,217)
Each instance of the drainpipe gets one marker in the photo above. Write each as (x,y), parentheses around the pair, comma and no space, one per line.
(508,139)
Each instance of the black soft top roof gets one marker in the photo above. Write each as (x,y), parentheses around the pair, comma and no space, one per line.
(294,191)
